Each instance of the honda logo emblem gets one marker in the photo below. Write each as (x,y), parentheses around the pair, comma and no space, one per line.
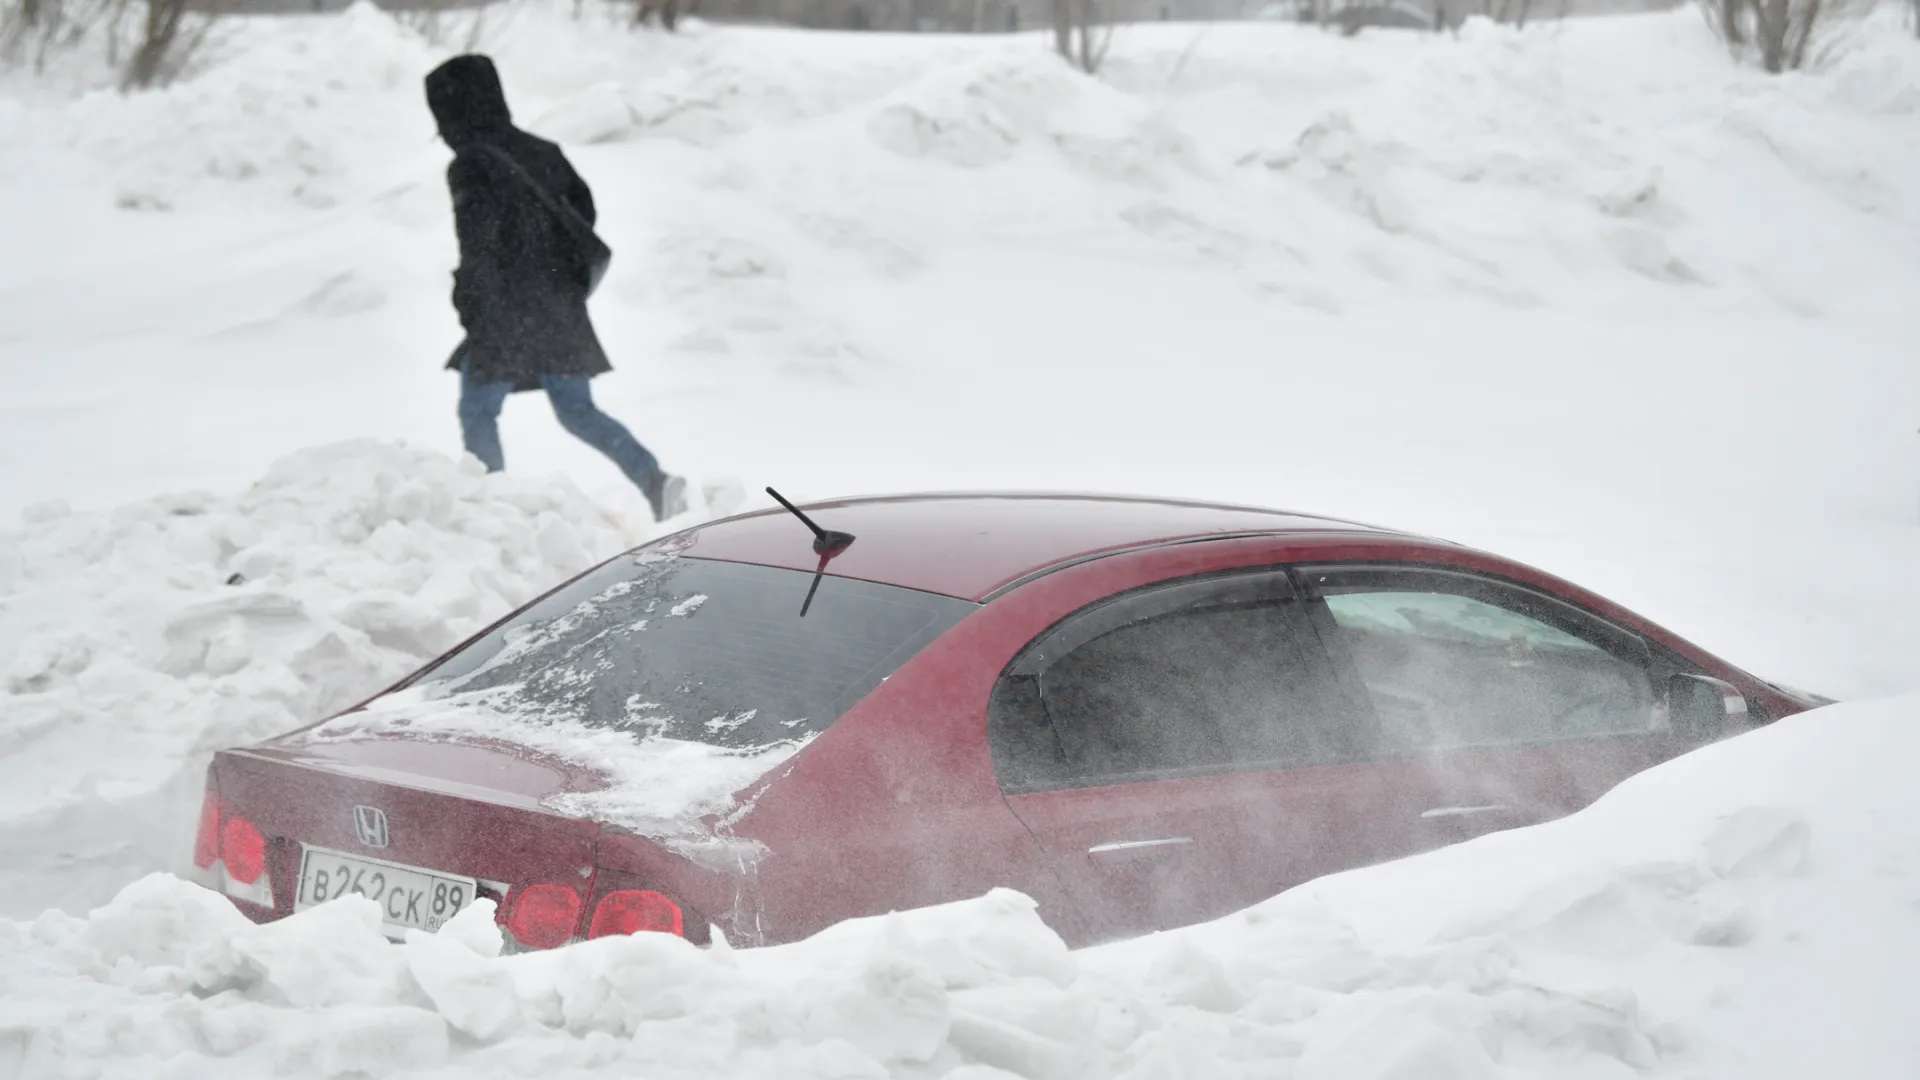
(370,826)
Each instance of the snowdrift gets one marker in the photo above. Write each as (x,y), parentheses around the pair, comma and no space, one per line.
(138,642)
(1569,163)
(1748,911)
(1585,293)
(1591,268)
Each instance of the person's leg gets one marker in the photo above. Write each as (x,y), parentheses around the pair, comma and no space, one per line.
(572,398)
(480,405)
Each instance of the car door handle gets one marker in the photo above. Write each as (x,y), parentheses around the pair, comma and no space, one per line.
(1454,812)
(1130,848)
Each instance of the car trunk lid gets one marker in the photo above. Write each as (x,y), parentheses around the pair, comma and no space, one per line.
(426,818)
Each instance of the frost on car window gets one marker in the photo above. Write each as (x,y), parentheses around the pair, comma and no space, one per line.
(689,649)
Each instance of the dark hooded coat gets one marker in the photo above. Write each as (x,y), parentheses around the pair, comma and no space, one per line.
(521,288)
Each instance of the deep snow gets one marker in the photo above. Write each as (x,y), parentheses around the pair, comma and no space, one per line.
(1585,294)
(1588,295)
(1749,911)
(139,641)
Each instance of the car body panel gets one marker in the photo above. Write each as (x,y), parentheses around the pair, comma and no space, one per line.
(916,815)
(903,772)
(1157,854)
(1239,836)
(306,798)
(513,775)
(897,803)
(968,546)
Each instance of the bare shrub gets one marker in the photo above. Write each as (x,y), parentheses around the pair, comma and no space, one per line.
(447,23)
(1518,13)
(1783,35)
(667,10)
(1514,12)
(34,30)
(1081,34)
(1349,17)
(172,34)
(164,35)
(18,20)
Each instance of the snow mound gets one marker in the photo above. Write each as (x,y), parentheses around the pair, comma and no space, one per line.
(1520,167)
(1765,927)
(273,115)
(989,111)
(975,114)
(139,641)
(600,113)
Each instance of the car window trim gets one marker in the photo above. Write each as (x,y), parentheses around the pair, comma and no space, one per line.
(1103,616)
(1358,532)
(1559,612)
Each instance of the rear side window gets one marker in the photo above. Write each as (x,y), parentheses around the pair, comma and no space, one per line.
(1203,676)
(703,651)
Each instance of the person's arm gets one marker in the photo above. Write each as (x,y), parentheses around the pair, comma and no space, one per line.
(476,224)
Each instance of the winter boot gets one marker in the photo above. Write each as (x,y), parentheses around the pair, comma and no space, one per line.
(667,495)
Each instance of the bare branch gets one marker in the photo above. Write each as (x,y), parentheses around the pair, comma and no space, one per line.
(1783,35)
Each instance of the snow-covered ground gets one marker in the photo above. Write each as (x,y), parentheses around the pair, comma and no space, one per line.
(1749,911)
(1586,294)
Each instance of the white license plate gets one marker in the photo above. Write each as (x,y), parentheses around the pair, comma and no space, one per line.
(409,897)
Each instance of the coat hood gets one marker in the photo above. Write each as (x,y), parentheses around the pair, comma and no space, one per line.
(465,96)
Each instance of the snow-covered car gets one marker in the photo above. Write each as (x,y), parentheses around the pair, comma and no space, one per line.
(1142,713)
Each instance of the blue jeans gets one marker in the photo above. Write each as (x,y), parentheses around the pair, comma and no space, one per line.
(572,399)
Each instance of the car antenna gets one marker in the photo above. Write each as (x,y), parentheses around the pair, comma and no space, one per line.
(826,543)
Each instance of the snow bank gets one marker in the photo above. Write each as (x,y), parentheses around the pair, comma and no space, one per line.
(1751,911)
(261,115)
(1594,269)
(138,642)
(1512,167)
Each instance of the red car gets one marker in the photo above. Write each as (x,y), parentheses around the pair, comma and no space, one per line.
(1142,713)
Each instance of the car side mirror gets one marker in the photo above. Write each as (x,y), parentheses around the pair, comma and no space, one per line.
(1701,708)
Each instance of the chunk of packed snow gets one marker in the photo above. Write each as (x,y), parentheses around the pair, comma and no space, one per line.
(1568,950)
(138,642)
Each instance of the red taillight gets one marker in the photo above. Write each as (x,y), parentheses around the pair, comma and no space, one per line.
(206,843)
(636,911)
(244,850)
(543,916)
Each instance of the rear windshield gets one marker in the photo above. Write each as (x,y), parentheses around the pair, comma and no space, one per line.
(703,651)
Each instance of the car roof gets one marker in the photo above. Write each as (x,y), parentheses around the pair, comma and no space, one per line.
(970,545)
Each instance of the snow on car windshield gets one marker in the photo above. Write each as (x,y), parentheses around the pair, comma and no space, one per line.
(681,680)
(699,651)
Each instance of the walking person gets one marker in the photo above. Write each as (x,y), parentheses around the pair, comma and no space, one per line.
(529,258)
